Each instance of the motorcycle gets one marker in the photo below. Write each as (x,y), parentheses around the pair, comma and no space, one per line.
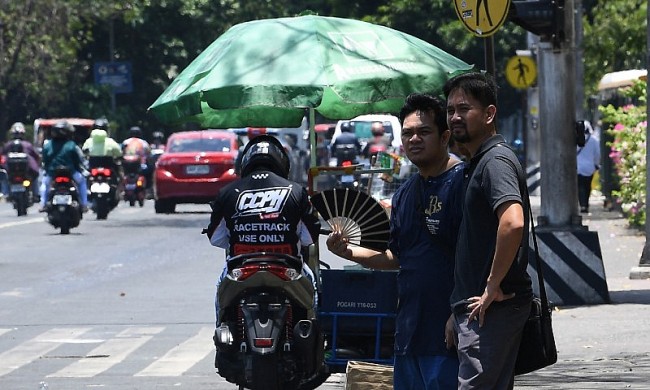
(63,207)
(103,184)
(346,156)
(20,182)
(269,337)
(135,184)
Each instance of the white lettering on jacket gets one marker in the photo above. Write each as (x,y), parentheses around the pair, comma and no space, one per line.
(264,201)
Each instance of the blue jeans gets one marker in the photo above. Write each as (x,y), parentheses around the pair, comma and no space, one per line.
(81,185)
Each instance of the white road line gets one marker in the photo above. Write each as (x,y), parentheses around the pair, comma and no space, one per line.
(182,357)
(35,348)
(5,330)
(21,222)
(108,354)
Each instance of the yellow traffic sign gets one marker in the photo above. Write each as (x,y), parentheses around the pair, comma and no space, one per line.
(482,17)
(521,71)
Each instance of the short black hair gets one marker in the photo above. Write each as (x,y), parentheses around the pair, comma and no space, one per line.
(480,85)
(425,103)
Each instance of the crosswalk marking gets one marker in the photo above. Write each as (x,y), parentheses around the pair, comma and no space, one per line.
(182,357)
(27,352)
(108,354)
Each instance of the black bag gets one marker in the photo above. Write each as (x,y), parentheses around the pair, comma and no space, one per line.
(537,349)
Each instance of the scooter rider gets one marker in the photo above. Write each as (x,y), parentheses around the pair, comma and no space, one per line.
(263,203)
(346,146)
(63,151)
(17,132)
(101,144)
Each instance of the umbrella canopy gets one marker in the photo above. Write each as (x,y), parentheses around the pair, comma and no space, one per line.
(268,72)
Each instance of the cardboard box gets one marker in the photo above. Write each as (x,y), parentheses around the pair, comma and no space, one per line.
(368,376)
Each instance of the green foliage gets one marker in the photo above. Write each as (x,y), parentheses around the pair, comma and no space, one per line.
(614,39)
(628,152)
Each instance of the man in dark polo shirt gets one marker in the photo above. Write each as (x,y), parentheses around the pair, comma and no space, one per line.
(424,224)
(492,290)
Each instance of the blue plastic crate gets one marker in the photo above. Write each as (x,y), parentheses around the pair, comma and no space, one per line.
(358,291)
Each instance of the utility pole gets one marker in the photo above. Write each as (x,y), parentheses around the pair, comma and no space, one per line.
(574,271)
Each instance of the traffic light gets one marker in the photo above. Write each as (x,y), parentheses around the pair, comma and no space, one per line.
(541,17)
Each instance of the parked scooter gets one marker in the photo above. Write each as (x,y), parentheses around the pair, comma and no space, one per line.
(63,206)
(269,337)
(20,181)
(104,183)
(135,184)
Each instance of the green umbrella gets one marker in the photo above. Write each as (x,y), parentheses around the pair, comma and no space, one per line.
(269,72)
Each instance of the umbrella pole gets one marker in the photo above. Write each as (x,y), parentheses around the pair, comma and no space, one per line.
(312,149)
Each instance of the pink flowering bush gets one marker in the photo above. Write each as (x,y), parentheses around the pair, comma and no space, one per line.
(628,152)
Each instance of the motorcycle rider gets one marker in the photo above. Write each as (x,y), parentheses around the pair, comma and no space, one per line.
(378,142)
(61,150)
(346,146)
(158,140)
(136,148)
(19,144)
(100,143)
(240,224)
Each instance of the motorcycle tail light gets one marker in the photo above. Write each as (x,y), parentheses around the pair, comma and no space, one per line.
(140,183)
(281,272)
(27,183)
(100,171)
(62,179)
(260,342)
(346,163)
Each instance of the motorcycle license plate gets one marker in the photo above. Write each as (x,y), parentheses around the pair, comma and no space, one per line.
(347,179)
(17,188)
(100,188)
(197,169)
(130,187)
(62,199)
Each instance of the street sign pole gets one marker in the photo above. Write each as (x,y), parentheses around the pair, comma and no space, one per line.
(111,58)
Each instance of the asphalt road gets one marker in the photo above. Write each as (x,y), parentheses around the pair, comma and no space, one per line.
(123,303)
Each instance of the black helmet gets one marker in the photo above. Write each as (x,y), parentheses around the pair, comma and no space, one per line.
(158,136)
(346,127)
(265,151)
(135,131)
(62,129)
(101,123)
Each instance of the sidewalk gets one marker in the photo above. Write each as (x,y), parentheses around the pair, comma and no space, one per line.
(600,346)
(603,346)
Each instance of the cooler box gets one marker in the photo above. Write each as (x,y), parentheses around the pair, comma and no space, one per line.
(357,313)
(358,297)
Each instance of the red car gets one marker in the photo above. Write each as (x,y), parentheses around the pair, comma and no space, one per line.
(194,166)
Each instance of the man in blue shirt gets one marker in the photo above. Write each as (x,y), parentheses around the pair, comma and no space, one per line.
(425,216)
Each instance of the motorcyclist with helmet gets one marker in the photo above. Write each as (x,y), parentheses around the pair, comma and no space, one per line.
(100,143)
(346,146)
(136,148)
(18,144)
(158,140)
(378,142)
(61,150)
(263,202)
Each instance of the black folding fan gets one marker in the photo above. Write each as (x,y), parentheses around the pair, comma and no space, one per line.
(357,215)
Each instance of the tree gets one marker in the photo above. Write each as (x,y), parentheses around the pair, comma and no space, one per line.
(614,39)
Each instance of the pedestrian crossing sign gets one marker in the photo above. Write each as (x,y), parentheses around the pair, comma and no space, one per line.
(521,71)
(482,17)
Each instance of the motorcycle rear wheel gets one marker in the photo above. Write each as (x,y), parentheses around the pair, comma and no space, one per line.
(21,205)
(266,375)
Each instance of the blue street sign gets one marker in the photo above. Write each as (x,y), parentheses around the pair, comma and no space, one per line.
(115,74)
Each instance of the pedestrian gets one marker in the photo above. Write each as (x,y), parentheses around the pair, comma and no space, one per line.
(424,222)
(588,161)
(492,292)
